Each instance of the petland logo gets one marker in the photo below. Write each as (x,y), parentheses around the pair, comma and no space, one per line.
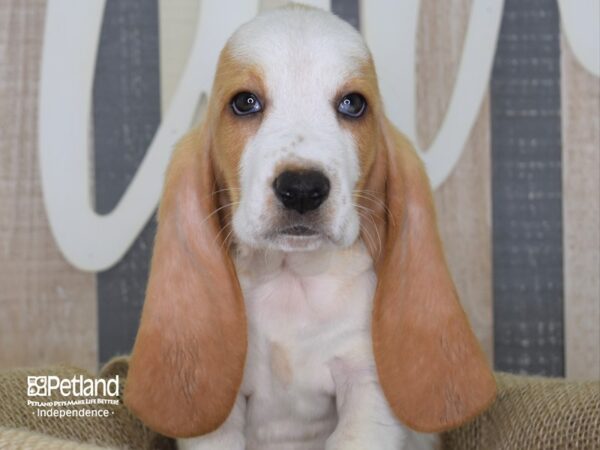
(46,385)
(84,397)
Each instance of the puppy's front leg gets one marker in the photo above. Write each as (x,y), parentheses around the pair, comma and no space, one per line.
(229,436)
(365,421)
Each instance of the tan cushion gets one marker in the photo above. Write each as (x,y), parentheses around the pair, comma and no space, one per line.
(530,413)
(534,413)
(22,438)
(119,430)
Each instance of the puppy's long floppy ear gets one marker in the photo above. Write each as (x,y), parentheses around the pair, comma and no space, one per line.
(430,365)
(188,359)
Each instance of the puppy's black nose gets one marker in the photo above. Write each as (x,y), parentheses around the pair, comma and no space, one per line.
(301,190)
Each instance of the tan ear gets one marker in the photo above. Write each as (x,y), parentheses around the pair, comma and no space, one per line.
(188,358)
(430,365)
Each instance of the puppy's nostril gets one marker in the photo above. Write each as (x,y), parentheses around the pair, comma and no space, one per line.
(301,190)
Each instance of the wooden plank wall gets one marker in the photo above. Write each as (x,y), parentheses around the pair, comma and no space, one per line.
(47,307)
(581,216)
(48,310)
(177,26)
(527,190)
(126,112)
(463,200)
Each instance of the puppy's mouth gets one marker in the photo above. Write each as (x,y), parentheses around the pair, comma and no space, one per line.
(298,230)
(297,237)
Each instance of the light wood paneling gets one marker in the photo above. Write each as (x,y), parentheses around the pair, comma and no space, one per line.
(442,29)
(463,201)
(581,216)
(464,209)
(177,25)
(47,307)
(271,4)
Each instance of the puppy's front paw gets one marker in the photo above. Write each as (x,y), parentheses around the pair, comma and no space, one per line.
(353,438)
(214,441)
(346,441)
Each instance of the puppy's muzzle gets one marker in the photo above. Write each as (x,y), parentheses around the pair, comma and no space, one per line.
(301,190)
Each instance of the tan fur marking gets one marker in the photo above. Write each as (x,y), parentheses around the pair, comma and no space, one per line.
(364,129)
(369,195)
(280,364)
(231,132)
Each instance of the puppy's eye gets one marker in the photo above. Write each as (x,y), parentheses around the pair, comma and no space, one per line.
(352,105)
(245,103)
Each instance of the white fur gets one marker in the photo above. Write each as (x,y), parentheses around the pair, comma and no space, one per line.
(310,380)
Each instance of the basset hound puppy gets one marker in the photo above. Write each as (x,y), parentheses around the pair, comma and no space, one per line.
(299,297)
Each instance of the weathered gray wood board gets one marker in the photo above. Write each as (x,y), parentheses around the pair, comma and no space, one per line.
(47,307)
(126,114)
(526,190)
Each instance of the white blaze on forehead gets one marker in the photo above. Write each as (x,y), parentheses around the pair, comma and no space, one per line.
(302,45)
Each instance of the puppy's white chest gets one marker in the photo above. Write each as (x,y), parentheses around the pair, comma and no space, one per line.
(308,320)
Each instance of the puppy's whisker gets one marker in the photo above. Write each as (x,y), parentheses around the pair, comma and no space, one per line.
(371,196)
(370,218)
(223,228)
(226,244)
(379,202)
(218,191)
(368,191)
(227,205)
(371,242)
(369,214)
(375,227)
(372,200)
(376,197)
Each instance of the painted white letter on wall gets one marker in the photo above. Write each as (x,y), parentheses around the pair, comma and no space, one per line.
(95,242)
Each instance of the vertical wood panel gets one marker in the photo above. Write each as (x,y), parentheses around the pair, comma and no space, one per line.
(442,29)
(464,209)
(177,25)
(47,307)
(270,4)
(463,201)
(126,114)
(581,218)
(347,10)
(527,191)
